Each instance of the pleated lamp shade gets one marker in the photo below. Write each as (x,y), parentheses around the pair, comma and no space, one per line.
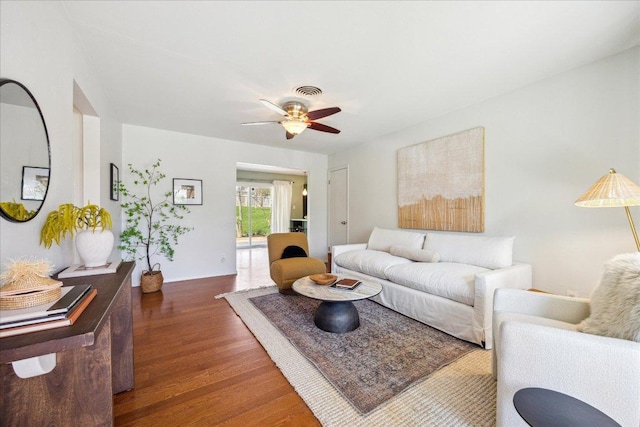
(612,190)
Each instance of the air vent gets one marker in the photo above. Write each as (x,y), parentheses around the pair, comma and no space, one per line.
(308,91)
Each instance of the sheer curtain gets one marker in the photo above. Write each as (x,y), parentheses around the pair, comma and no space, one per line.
(281,210)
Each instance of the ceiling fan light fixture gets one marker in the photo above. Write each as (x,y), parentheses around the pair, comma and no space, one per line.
(294,126)
(297,117)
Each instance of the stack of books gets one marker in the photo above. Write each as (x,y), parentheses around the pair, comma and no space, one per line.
(62,312)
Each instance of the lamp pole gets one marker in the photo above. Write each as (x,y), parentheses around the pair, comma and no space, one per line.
(633,227)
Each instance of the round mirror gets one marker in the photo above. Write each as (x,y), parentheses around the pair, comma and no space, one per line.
(25,160)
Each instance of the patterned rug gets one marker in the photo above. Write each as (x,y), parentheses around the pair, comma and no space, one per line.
(370,365)
(461,394)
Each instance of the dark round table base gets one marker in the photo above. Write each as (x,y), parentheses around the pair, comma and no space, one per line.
(337,316)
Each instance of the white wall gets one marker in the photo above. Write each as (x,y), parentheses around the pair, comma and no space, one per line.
(38,50)
(213,160)
(545,145)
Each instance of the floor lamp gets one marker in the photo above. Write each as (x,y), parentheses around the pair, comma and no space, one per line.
(613,190)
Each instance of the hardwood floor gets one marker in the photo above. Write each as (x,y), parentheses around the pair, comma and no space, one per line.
(197,364)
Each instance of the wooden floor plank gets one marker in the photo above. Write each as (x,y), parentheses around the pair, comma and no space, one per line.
(196,363)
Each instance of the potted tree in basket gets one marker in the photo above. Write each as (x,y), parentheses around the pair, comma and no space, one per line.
(95,240)
(148,231)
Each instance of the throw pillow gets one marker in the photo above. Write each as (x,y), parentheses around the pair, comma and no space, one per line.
(484,251)
(615,303)
(381,239)
(293,252)
(420,255)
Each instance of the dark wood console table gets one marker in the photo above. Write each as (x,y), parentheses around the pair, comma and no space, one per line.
(94,361)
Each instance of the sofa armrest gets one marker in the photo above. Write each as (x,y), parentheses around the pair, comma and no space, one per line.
(557,307)
(338,249)
(517,276)
(603,372)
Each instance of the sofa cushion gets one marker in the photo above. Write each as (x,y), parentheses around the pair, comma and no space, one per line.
(381,239)
(483,251)
(449,280)
(420,255)
(373,263)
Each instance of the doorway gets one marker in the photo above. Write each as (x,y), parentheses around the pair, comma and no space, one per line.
(338,207)
(253,214)
(254,203)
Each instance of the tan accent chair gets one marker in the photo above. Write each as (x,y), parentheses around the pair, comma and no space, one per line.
(286,271)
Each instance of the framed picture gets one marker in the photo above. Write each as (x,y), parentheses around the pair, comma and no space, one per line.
(114,189)
(441,183)
(187,191)
(35,181)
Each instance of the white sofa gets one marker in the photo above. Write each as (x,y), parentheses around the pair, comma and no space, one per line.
(444,280)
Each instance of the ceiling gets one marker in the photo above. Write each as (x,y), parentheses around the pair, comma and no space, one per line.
(201,67)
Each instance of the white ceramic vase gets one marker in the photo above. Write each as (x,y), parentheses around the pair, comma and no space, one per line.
(94,247)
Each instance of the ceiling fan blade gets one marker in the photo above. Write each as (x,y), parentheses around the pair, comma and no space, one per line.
(257,123)
(318,114)
(322,128)
(290,135)
(270,105)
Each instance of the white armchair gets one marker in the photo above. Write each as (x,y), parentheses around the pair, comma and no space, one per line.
(536,344)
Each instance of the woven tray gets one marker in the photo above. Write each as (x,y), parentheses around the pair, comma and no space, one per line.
(29,291)
(30,299)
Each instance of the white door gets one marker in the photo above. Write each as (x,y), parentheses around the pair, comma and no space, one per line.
(338,207)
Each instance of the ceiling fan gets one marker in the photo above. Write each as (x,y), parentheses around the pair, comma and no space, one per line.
(298,118)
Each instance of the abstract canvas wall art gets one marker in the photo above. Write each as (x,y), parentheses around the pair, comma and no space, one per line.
(441,183)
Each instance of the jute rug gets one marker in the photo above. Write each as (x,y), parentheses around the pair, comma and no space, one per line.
(462,393)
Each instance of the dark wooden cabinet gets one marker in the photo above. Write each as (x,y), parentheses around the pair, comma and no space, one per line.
(94,360)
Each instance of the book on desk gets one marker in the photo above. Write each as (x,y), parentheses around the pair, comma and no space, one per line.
(62,312)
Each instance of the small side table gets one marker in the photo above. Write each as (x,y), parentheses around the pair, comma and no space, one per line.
(540,407)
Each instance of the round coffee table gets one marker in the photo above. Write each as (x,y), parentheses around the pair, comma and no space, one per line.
(336,313)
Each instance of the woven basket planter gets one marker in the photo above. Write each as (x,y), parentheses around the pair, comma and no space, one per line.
(151,281)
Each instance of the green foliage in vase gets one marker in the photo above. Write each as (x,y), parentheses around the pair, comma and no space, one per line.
(148,229)
(68,218)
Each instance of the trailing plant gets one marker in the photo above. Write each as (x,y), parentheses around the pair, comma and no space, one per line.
(69,218)
(148,229)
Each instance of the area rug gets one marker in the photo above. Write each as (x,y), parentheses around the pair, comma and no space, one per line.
(371,364)
(461,393)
